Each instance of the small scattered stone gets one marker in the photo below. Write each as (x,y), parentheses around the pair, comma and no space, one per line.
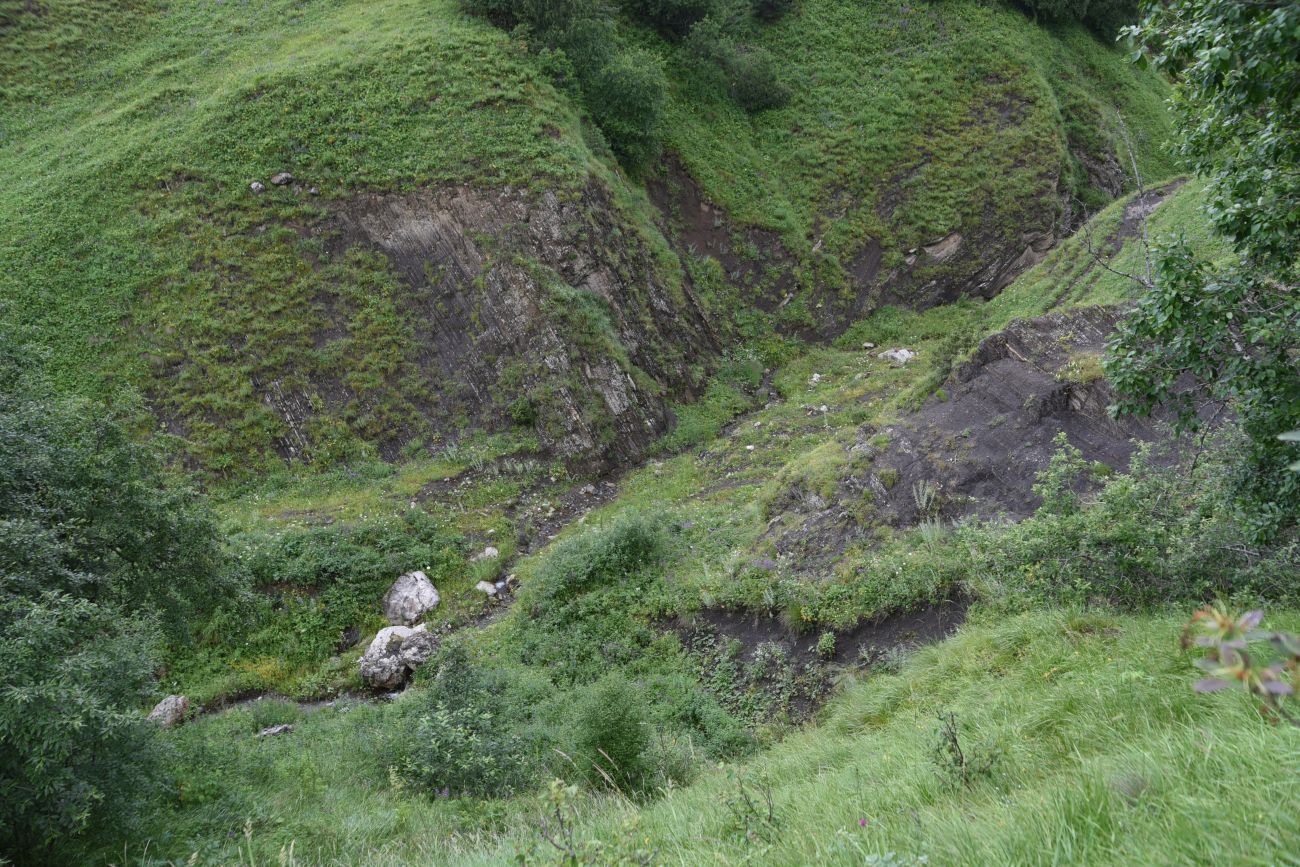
(281,179)
(315,191)
(868,346)
(814,379)
(588,490)
(257,186)
(488,553)
(486,587)
(512,581)
(749,448)
(170,710)
(272,731)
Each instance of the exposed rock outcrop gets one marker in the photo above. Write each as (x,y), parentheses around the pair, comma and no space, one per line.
(976,447)
(539,310)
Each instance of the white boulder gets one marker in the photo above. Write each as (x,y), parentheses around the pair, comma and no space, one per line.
(170,710)
(488,553)
(409,599)
(394,653)
(898,356)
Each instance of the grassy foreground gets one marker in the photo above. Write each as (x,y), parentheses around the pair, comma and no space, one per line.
(1098,752)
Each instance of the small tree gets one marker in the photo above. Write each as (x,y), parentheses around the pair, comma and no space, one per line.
(76,753)
(1232,327)
(627,99)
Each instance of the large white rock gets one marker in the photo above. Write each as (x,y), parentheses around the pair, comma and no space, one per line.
(170,710)
(899,357)
(409,599)
(394,653)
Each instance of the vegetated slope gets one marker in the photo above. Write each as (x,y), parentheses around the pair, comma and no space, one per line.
(467,262)
(1094,750)
(776,511)
(455,251)
(1086,714)
(929,151)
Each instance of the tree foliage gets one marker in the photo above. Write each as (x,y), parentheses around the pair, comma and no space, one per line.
(85,510)
(97,552)
(76,752)
(1232,326)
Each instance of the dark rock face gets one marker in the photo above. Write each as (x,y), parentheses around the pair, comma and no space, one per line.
(976,449)
(533,309)
(982,448)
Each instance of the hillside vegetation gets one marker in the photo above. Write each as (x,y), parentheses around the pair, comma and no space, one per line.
(740,375)
(310,323)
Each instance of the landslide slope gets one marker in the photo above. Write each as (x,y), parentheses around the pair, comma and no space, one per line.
(457,251)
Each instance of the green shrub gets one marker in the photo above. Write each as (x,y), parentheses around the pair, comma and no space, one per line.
(671,17)
(614,553)
(1156,534)
(772,10)
(1105,17)
(330,577)
(85,510)
(456,739)
(626,98)
(748,75)
(753,81)
(611,736)
(76,752)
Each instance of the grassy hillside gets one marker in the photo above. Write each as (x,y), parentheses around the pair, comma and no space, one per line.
(138,260)
(1100,754)
(908,123)
(1097,749)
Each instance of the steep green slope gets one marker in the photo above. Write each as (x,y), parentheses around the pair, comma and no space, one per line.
(912,125)
(428,290)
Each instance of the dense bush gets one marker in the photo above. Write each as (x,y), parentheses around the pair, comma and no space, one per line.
(613,553)
(457,738)
(672,17)
(627,99)
(76,753)
(1153,535)
(98,554)
(85,510)
(611,736)
(753,81)
(747,74)
(1103,16)
(773,10)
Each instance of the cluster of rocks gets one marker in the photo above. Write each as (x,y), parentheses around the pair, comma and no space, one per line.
(395,652)
(281,179)
(401,648)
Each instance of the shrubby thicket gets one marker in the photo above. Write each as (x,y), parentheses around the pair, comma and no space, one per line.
(100,557)
(1232,326)
(623,87)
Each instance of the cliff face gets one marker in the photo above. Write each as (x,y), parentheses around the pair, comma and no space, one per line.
(535,310)
(412,320)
